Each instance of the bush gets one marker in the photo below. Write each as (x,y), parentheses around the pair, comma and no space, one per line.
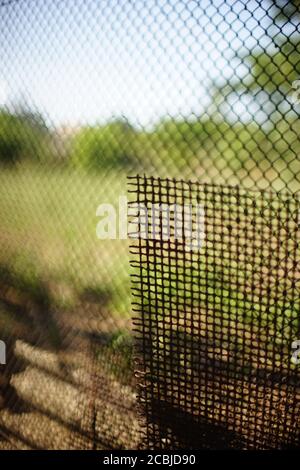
(108,146)
(22,136)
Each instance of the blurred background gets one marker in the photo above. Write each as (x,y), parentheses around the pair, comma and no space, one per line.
(92,91)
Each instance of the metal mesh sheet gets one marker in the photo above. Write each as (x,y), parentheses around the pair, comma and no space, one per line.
(215,322)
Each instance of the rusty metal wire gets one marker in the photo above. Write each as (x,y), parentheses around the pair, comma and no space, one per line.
(215,325)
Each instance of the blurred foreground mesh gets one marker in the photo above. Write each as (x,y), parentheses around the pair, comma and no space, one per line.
(91,91)
(215,323)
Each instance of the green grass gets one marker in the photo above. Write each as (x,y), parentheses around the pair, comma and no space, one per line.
(48,246)
(48,233)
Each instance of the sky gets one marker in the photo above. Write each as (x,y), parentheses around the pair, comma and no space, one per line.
(86,61)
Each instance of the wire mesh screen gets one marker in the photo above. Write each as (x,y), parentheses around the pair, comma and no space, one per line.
(216,320)
(91,91)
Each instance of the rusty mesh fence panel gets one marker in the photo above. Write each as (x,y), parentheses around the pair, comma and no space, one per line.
(215,321)
(91,91)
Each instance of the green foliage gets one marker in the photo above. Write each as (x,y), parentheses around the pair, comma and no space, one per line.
(271,70)
(277,71)
(23,135)
(234,144)
(104,147)
(272,73)
(173,146)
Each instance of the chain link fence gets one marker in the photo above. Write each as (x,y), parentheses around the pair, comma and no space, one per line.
(92,91)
